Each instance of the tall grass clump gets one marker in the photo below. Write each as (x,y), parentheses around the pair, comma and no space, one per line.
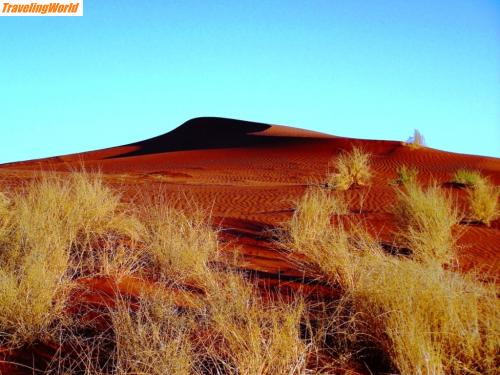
(33,265)
(416,140)
(352,168)
(48,222)
(234,330)
(424,319)
(468,178)
(153,339)
(256,336)
(429,320)
(312,216)
(5,217)
(482,196)
(180,246)
(406,175)
(312,233)
(484,204)
(426,217)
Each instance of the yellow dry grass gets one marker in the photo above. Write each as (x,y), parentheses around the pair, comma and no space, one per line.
(406,175)
(312,216)
(351,168)
(5,217)
(426,217)
(310,233)
(467,177)
(180,246)
(425,319)
(257,337)
(484,202)
(482,196)
(428,320)
(49,226)
(152,340)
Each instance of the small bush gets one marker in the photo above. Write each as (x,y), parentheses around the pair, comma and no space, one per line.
(311,219)
(258,337)
(406,175)
(426,218)
(352,168)
(51,227)
(428,320)
(484,203)
(468,178)
(327,245)
(417,140)
(152,340)
(180,246)
(425,319)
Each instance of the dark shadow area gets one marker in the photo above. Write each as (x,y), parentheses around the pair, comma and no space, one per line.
(454,185)
(206,133)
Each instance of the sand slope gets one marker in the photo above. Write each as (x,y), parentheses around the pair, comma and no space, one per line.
(250,175)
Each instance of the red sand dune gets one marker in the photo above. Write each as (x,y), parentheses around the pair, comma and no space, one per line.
(250,175)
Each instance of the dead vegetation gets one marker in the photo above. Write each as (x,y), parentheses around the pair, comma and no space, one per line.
(59,230)
(426,217)
(180,246)
(351,169)
(468,178)
(423,319)
(483,205)
(407,314)
(406,175)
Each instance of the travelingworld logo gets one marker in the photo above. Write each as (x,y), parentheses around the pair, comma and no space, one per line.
(41,8)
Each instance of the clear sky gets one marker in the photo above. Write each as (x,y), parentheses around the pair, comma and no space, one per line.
(130,70)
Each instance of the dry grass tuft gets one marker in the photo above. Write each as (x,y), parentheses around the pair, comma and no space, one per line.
(50,226)
(426,217)
(257,337)
(180,246)
(468,178)
(483,196)
(312,216)
(236,331)
(154,339)
(484,203)
(327,245)
(428,320)
(352,168)
(425,319)
(406,175)
(5,217)
(33,265)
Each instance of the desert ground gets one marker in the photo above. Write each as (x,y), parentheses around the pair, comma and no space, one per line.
(248,182)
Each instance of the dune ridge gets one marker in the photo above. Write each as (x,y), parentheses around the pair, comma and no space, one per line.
(250,176)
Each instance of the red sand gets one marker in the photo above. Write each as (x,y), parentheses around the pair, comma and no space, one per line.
(251,174)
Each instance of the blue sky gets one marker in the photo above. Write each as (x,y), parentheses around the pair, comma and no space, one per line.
(130,70)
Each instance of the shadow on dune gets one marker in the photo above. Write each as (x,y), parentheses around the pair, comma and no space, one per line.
(206,133)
